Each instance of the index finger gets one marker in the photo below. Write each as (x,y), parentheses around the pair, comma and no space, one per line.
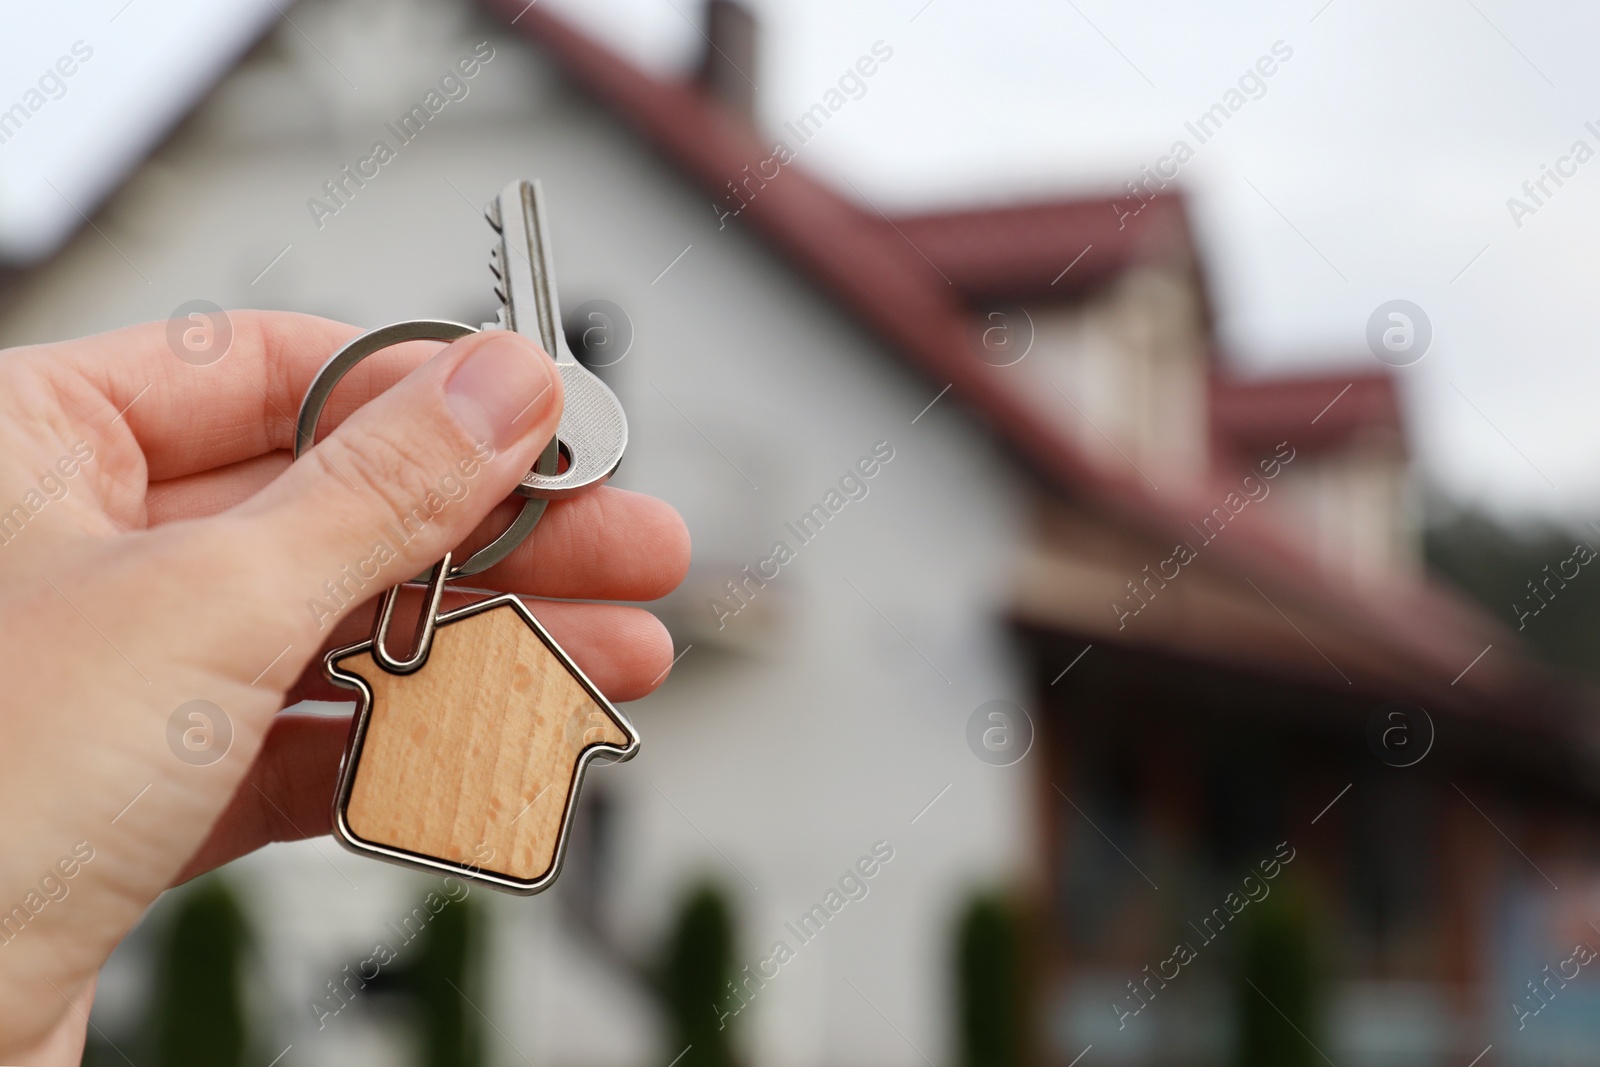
(188,418)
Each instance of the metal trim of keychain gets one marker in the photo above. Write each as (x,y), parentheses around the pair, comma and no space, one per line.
(592,435)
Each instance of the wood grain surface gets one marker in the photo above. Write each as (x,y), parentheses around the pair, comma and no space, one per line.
(471,759)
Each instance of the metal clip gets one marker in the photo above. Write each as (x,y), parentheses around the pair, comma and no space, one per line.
(426,623)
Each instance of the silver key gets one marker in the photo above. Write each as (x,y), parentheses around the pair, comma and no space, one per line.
(593,432)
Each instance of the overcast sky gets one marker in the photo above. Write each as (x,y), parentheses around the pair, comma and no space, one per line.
(1375,164)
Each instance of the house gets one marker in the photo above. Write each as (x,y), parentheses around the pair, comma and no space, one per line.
(1010,474)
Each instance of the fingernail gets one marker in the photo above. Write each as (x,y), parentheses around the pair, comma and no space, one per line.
(502,390)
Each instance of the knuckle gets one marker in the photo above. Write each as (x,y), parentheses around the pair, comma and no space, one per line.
(377,466)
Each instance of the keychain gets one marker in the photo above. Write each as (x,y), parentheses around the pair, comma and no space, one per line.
(466,756)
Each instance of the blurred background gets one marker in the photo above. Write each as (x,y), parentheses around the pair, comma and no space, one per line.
(1139,465)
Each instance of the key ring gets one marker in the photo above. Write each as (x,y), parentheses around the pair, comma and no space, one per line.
(364,345)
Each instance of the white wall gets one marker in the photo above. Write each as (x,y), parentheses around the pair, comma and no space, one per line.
(1125,372)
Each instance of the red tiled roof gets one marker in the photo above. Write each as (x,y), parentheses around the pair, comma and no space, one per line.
(1319,412)
(1039,251)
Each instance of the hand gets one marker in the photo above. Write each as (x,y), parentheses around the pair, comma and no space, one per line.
(157,546)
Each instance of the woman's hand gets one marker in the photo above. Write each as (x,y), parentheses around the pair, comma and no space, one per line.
(158,547)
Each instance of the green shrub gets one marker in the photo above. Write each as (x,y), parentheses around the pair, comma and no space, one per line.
(433,979)
(991,985)
(693,981)
(198,1012)
(1277,988)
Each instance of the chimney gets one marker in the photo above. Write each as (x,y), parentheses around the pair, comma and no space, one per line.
(728,71)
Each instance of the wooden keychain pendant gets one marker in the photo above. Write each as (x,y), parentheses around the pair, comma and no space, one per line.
(467,758)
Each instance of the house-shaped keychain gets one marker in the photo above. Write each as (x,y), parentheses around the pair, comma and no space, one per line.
(472,766)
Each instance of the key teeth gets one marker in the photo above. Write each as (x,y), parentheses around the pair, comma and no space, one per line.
(492,213)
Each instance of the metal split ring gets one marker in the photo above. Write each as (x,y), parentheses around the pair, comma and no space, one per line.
(358,349)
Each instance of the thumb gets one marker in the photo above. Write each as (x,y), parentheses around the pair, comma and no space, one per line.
(409,475)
